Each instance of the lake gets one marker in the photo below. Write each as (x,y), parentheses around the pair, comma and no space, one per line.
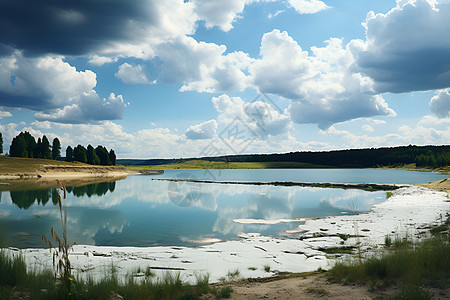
(139,211)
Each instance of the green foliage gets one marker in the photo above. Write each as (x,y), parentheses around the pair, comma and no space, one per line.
(267,268)
(69,154)
(233,274)
(1,143)
(223,292)
(387,241)
(56,148)
(103,155)
(92,157)
(61,261)
(411,265)
(112,157)
(79,154)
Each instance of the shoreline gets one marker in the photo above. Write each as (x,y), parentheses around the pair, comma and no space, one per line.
(410,210)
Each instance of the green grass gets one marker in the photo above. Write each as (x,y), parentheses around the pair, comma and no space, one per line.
(203,164)
(14,278)
(409,265)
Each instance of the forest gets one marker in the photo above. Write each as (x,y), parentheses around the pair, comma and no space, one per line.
(422,156)
(25,145)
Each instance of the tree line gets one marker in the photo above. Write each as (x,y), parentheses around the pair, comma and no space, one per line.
(25,145)
(91,155)
(422,156)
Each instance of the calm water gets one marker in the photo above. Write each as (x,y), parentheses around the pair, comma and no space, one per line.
(139,211)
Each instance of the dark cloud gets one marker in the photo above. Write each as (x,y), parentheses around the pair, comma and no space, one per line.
(71,27)
(408,49)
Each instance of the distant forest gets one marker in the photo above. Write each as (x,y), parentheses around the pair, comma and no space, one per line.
(422,156)
(25,145)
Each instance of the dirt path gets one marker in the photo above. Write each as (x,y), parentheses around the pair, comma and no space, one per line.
(310,287)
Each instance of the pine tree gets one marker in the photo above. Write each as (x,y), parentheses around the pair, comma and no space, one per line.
(1,143)
(18,147)
(56,149)
(92,157)
(45,148)
(112,157)
(69,154)
(79,154)
(103,154)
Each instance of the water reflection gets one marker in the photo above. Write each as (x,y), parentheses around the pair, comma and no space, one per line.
(140,212)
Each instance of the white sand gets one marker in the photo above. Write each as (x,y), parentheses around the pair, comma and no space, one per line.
(409,210)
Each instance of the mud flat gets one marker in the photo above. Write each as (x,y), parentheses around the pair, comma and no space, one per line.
(409,210)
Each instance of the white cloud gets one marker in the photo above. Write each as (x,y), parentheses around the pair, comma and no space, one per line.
(132,74)
(218,12)
(368,128)
(259,116)
(205,130)
(87,108)
(408,48)
(5,114)
(440,103)
(308,6)
(378,122)
(321,87)
(55,89)
(202,67)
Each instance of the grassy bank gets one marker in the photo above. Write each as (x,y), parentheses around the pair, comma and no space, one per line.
(414,269)
(203,164)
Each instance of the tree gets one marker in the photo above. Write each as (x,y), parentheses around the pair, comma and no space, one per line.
(79,154)
(38,151)
(112,157)
(1,143)
(69,154)
(45,150)
(56,149)
(103,154)
(30,144)
(92,157)
(18,147)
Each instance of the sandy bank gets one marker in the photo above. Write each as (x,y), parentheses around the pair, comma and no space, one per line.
(17,173)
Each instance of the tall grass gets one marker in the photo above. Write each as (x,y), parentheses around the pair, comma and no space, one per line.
(61,261)
(410,265)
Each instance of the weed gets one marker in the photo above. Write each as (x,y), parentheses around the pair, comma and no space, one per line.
(253,268)
(318,291)
(233,275)
(267,268)
(224,292)
(387,241)
(388,195)
(61,259)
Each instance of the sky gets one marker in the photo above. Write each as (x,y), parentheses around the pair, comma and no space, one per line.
(174,78)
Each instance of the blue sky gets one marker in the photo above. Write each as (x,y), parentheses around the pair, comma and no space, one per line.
(174,78)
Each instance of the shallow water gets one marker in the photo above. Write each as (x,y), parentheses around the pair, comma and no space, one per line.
(137,211)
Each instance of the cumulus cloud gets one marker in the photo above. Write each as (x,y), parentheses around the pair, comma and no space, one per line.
(202,67)
(87,108)
(322,88)
(120,27)
(408,48)
(205,130)
(259,116)
(308,6)
(132,74)
(440,103)
(219,13)
(55,89)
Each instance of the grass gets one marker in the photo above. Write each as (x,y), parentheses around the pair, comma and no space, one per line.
(203,164)
(233,274)
(409,265)
(267,268)
(16,281)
